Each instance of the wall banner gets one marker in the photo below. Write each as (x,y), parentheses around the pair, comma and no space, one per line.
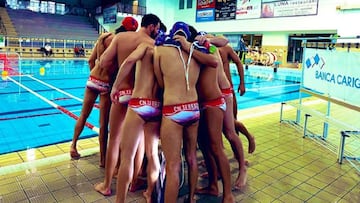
(333,73)
(271,8)
(204,15)
(205,10)
(110,14)
(246,9)
(225,10)
(202,4)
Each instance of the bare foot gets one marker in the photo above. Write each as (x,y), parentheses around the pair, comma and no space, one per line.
(228,199)
(74,153)
(99,187)
(147,196)
(252,144)
(207,191)
(240,182)
(139,184)
(102,164)
(190,200)
(247,163)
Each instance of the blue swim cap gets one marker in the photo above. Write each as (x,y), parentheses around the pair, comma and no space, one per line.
(160,39)
(180,27)
(202,33)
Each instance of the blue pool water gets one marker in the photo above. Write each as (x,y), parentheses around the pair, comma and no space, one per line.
(29,116)
(264,86)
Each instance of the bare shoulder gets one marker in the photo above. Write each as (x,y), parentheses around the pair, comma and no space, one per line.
(109,39)
(228,48)
(146,45)
(161,49)
(105,35)
(225,50)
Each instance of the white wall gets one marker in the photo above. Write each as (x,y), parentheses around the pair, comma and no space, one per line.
(348,23)
(164,9)
(280,38)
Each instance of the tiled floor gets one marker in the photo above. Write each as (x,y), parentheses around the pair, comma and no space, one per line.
(284,168)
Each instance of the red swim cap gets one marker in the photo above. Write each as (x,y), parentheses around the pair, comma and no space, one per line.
(130,23)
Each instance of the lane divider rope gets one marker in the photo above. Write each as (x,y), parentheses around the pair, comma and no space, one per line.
(62,109)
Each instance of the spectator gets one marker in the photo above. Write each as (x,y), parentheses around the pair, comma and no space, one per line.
(76,51)
(81,51)
(127,24)
(47,50)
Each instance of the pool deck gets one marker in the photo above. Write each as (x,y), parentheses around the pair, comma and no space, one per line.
(284,168)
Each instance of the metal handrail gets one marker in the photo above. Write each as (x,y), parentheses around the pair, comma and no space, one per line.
(31,42)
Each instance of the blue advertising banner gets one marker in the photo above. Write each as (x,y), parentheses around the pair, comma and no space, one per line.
(109,14)
(204,15)
(323,73)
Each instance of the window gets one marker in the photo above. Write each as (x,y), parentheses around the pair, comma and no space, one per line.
(189,4)
(34,5)
(295,49)
(181,4)
(44,7)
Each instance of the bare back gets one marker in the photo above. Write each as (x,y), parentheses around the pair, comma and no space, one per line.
(173,74)
(103,43)
(208,84)
(146,85)
(120,48)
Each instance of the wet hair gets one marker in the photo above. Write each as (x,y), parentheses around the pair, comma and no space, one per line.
(193,32)
(120,29)
(149,19)
(163,27)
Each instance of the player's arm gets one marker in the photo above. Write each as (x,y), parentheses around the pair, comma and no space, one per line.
(240,68)
(200,57)
(157,68)
(109,55)
(208,60)
(92,58)
(218,41)
(214,40)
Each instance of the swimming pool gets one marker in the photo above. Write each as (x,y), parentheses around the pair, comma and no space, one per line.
(33,105)
(40,107)
(264,86)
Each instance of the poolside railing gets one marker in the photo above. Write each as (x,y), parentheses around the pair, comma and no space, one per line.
(331,75)
(30,47)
